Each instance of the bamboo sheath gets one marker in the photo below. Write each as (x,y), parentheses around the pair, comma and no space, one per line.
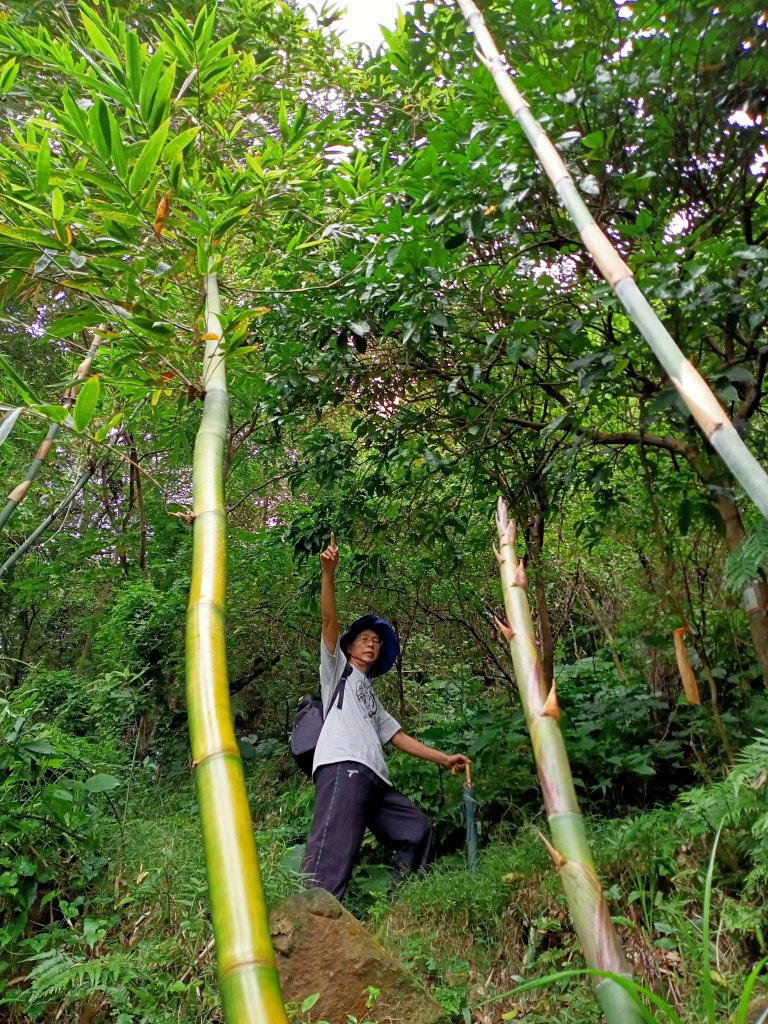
(19,493)
(248,980)
(569,850)
(693,389)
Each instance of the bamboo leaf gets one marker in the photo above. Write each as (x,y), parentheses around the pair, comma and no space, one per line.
(57,204)
(24,235)
(148,158)
(9,422)
(119,158)
(149,81)
(203,30)
(226,220)
(98,122)
(57,413)
(85,406)
(9,72)
(43,166)
(133,64)
(11,375)
(282,117)
(97,36)
(178,143)
(102,432)
(161,102)
(78,121)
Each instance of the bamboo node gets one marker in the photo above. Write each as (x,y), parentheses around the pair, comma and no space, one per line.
(702,403)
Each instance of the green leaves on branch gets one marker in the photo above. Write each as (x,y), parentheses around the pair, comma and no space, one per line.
(148,159)
(9,72)
(10,375)
(85,406)
(43,167)
(8,422)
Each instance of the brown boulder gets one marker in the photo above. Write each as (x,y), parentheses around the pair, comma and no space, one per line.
(321,947)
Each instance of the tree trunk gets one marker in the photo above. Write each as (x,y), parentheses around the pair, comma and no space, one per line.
(755,596)
(535,548)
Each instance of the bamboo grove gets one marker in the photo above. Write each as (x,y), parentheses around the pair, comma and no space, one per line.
(202,231)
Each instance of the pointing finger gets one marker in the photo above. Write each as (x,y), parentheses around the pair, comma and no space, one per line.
(333,539)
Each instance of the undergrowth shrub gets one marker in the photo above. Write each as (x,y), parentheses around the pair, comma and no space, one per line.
(143,629)
(740,803)
(57,809)
(105,707)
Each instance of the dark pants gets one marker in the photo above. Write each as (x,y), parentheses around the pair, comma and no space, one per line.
(348,799)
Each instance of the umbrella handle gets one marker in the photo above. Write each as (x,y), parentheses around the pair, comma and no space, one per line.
(468,772)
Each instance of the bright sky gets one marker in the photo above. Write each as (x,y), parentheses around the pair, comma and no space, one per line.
(361,22)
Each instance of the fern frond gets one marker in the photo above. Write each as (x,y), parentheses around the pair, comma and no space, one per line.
(749,559)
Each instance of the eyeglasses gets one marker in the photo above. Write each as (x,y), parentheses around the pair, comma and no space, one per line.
(373,639)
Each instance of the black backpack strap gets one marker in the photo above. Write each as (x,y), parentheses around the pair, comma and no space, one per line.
(338,693)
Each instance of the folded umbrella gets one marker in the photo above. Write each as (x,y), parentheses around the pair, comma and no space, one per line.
(469,807)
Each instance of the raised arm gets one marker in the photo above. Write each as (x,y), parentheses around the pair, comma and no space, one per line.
(329,559)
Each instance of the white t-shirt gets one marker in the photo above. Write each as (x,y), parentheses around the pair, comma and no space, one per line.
(360,729)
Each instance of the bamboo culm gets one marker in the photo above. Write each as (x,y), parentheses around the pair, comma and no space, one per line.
(691,386)
(569,848)
(22,549)
(247,972)
(19,493)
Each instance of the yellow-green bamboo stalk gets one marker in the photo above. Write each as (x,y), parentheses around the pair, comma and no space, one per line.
(691,386)
(248,980)
(569,848)
(19,493)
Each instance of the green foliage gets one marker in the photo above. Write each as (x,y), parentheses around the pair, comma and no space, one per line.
(625,745)
(747,563)
(142,631)
(105,709)
(57,802)
(410,330)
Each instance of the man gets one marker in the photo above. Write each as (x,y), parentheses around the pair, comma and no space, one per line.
(352,787)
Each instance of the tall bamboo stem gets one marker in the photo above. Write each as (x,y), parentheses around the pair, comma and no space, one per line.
(22,549)
(569,849)
(693,389)
(248,980)
(19,493)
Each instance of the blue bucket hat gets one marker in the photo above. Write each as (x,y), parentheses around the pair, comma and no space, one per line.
(390,645)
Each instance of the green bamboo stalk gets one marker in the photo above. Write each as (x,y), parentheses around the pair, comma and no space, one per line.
(80,483)
(247,972)
(569,849)
(691,386)
(19,493)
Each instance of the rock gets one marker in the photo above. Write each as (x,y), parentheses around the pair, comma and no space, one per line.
(321,947)
(758,1008)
